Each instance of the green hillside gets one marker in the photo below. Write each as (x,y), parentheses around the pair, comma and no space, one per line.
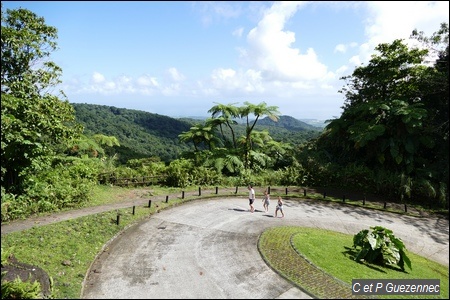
(143,134)
(288,123)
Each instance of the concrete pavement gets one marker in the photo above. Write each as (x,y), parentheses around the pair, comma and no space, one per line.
(207,249)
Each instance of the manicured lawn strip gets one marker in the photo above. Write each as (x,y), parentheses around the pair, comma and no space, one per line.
(275,247)
(331,253)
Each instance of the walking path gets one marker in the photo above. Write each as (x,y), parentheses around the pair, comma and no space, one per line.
(208,248)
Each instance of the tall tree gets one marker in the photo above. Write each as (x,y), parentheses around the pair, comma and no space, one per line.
(395,114)
(200,133)
(26,44)
(258,110)
(33,121)
(437,95)
(224,155)
(225,114)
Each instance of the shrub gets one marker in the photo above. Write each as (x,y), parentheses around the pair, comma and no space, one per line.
(380,246)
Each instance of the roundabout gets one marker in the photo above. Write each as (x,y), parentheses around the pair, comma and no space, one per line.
(209,249)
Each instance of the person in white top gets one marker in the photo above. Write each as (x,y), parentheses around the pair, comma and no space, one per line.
(251,197)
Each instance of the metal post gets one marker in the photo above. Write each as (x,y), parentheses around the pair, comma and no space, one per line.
(134,207)
(182,195)
(167,199)
(149,203)
(199,191)
(217,190)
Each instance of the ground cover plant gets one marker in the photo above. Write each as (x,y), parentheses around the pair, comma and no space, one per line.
(380,246)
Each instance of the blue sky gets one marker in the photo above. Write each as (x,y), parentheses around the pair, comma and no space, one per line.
(181,58)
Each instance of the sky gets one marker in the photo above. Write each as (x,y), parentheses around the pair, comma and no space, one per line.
(181,58)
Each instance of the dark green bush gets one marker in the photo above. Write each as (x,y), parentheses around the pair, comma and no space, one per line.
(381,247)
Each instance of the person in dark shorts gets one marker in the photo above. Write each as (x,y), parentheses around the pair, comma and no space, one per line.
(251,197)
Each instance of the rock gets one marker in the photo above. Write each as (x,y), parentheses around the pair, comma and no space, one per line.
(27,273)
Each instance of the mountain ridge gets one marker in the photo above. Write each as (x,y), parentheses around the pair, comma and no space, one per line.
(144,134)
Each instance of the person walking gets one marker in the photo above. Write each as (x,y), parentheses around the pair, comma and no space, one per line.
(279,207)
(266,201)
(251,197)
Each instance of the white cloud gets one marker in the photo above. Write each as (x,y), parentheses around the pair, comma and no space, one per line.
(342,48)
(175,75)
(238,32)
(270,48)
(147,81)
(217,10)
(270,66)
(99,84)
(171,90)
(98,78)
(392,20)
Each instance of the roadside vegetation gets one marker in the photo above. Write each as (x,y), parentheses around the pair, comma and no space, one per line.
(391,140)
(66,250)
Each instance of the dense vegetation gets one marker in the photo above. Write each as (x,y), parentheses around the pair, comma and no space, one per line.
(141,134)
(144,134)
(392,137)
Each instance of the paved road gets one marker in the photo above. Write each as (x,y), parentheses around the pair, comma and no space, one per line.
(208,249)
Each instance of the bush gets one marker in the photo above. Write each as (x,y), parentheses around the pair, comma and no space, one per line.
(380,246)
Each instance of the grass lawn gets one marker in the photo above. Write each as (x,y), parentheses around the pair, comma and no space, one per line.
(332,253)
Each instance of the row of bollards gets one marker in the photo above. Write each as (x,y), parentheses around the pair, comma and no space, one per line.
(236,191)
(134,209)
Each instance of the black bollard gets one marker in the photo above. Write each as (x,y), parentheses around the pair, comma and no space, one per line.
(236,190)
(384,205)
(286,191)
(149,203)
(118,219)
(304,192)
(268,190)
(406,209)
(182,195)
(343,198)
(364,201)
(324,195)
(167,199)
(134,208)
(217,190)
(199,191)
